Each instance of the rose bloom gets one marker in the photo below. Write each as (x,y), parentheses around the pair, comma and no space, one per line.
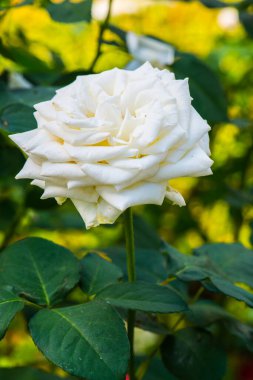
(113,140)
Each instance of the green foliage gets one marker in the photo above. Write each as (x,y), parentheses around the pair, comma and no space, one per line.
(205,313)
(11,159)
(69,12)
(17,118)
(143,296)
(49,271)
(146,238)
(85,340)
(234,260)
(217,266)
(150,264)
(157,371)
(32,200)
(7,4)
(247,21)
(28,97)
(27,374)
(192,354)
(16,108)
(208,96)
(10,304)
(97,273)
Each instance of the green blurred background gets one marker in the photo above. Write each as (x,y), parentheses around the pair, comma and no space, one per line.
(49,54)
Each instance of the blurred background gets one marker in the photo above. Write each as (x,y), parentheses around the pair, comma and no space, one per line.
(45,44)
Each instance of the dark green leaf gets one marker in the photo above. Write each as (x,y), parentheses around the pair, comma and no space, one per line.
(29,97)
(208,96)
(17,118)
(10,304)
(6,4)
(11,158)
(242,332)
(27,373)
(68,12)
(218,266)
(143,296)
(217,3)
(251,235)
(118,31)
(87,340)
(23,57)
(191,354)
(239,198)
(226,287)
(32,199)
(234,260)
(247,21)
(8,212)
(157,371)
(61,218)
(204,313)
(150,263)
(144,321)
(97,273)
(145,236)
(39,270)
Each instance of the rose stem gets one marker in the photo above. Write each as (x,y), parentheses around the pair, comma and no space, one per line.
(129,233)
(102,30)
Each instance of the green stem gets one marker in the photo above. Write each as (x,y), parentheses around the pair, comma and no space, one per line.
(129,233)
(102,30)
(31,304)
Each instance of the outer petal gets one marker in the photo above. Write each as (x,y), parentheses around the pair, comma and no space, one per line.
(88,212)
(51,151)
(21,139)
(30,170)
(87,194)
(192,164)
(175,197)
(106,213)
(166,141)
(61,170)
(142,193)
(39,183)
(198,128)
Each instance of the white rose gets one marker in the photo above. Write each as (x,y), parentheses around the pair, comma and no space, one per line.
(144,49)
(113,140)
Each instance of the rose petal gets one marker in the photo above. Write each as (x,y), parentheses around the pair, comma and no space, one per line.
(87,194)
(88,212)
(108,175)
(98,153)
(175,197)
(62,170)
(142,193)
(106,213)
(30,170)
(192,164)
